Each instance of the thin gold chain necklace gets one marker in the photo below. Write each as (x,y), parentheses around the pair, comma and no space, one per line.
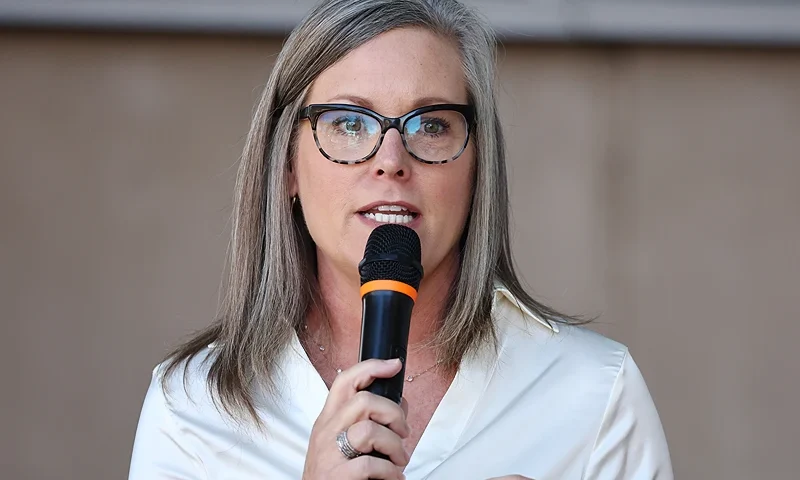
(409,378)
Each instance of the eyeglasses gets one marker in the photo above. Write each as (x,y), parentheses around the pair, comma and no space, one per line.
(350,134)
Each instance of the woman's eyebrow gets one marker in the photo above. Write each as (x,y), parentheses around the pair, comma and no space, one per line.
(354,99)
(366,103)
(425,101)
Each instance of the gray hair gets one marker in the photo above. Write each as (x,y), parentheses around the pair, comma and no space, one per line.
(272,264)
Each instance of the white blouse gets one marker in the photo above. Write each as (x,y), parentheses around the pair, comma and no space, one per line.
(555,403)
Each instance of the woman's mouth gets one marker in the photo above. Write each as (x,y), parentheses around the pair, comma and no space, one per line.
(390,214)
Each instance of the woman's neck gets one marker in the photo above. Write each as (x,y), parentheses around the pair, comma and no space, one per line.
(340,294)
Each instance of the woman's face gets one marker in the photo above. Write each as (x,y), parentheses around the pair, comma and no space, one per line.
(392,74)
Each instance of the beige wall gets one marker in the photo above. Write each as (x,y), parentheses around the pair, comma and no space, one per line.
(656,186)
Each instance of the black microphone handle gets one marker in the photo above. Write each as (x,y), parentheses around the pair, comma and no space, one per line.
(385,322)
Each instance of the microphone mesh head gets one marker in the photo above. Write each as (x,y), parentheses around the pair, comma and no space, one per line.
(393,252)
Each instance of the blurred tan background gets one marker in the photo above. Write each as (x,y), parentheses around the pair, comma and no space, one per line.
(656,186)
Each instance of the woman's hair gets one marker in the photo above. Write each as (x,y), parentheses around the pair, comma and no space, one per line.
(272,264)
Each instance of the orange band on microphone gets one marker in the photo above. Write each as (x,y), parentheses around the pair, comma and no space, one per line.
(389,285)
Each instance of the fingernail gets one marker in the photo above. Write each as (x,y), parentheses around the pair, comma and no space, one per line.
(392,361)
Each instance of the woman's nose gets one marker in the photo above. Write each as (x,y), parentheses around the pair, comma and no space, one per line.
(392,159)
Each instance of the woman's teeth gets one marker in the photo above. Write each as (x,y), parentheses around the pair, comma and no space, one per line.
(388,218)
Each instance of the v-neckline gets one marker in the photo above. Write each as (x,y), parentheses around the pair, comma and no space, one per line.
(445,427)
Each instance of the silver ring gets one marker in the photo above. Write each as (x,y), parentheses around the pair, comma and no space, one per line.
(344,446)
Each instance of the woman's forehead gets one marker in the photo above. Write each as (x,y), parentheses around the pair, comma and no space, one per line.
(395,70)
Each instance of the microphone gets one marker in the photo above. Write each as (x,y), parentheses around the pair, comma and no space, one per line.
(390,276)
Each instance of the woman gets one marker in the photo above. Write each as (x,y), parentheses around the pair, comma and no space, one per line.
(497,384)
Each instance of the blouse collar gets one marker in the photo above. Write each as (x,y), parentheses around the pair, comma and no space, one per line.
(501,292)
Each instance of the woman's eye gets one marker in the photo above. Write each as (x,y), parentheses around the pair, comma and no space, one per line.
(435,126)
(431,127)
(349,125)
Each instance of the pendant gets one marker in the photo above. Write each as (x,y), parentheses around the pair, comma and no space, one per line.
(410,378)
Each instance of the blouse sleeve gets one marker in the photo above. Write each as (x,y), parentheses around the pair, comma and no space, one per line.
(630,444)
(160,450)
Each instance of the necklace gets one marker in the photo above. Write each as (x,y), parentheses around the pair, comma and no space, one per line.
(409,378)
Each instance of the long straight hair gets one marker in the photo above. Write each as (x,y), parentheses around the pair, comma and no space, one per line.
(272,265)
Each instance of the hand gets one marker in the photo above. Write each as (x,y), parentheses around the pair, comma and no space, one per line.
(372,423)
